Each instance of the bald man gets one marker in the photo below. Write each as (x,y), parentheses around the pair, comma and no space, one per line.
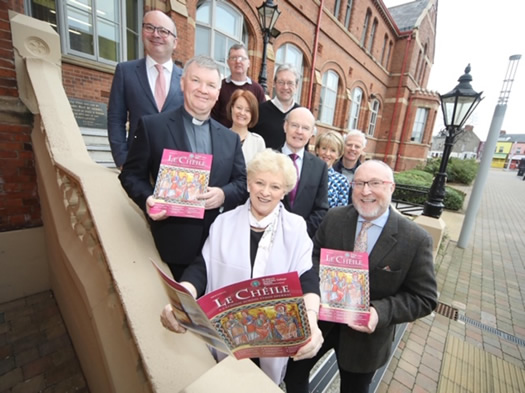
(133,89)
(310,197)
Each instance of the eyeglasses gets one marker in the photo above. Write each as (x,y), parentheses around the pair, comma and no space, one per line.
(163,32)
(296,126)
(286,83)
(237,58)
(373,184)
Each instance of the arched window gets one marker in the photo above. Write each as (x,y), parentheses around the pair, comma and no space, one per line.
(328,97)
(383,51)
(365,27)
(355,108)
(290,54)
(337,8)
(374,111)
(218,27)
(348,13)
(372,36)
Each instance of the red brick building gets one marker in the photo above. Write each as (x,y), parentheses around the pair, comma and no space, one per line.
(363,66)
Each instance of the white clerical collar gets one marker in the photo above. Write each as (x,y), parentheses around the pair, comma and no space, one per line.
(197,122)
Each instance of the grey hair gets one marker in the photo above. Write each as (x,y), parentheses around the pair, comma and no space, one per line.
(287,67)
(204,62)
(237,47)
(274,162)
(358,133)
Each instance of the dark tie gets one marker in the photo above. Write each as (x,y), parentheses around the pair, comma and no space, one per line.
(160,87)
(293,193)
(361,242)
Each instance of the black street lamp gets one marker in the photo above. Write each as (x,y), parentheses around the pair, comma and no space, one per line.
(457,106)
(268,15)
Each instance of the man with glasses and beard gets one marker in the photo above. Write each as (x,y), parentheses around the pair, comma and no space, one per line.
(402,281)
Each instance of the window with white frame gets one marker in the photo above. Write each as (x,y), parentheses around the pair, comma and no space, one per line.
(218,27)
(104,31)
(420,123)
(328,97)
(355,108)
(374,111)
(290,54)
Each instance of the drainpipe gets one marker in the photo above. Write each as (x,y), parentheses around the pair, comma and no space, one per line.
(314,57)
(403,132)
(398,95)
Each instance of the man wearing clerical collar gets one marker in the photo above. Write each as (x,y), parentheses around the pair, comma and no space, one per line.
(238,62)
(188,128)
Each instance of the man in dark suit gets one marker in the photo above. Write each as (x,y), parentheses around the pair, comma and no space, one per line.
(133,89)
(402,281)
(188,128)
(309,198)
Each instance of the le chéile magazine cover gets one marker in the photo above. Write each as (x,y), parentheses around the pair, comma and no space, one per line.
(260,317)
(182,177)
(344,282)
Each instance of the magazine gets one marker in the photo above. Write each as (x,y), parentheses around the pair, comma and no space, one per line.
(344,285)
(182,176)
(259,317)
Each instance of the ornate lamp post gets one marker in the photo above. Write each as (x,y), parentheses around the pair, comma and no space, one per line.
(457,106)
(268,15)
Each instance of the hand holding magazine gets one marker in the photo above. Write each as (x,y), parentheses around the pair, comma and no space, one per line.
(260,317)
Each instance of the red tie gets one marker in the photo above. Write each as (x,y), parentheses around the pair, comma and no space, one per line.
(160,87)
(361,242)
(293,193)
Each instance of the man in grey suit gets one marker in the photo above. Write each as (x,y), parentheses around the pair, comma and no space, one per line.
(402,281)
(309,198)
(133,89)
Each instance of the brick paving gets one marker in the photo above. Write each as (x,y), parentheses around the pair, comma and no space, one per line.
(485,282)
(36,354)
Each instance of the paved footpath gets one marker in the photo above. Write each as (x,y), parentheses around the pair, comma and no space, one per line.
(483,287)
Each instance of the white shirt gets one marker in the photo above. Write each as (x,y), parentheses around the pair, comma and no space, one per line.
(153,73)
(299,161)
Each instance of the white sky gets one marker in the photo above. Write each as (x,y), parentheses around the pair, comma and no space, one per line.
(484,34)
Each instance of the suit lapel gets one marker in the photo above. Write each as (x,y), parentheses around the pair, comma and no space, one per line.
(387,240)
(142,77)
(174,86)
(177,132)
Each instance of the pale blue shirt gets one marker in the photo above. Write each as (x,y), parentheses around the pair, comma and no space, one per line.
(375,229)
(299,160)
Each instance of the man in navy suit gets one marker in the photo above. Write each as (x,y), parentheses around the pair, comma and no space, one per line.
(402,281)
(188,128)
(133,90)
(309,198)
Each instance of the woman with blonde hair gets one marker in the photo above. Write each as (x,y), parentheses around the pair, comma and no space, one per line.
(257,239)
(329,147)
